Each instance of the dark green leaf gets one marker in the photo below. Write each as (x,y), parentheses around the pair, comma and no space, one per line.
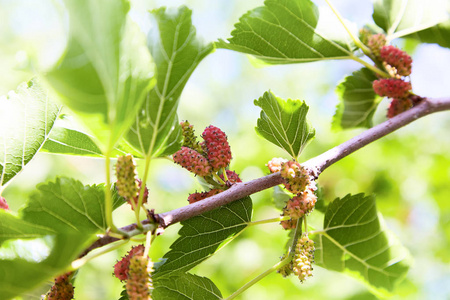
(284,123)
(26,118)
(185,286)
(289,31)
(176,52)
(12,227)
(202,235)
(438,34)
(357,100)
(402,17)
(67,206)
(355,241)
(106,70)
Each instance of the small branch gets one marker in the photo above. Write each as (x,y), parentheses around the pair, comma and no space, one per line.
(427,106)
(316,165)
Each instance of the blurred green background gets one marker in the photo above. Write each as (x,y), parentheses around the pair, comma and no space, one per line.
(408,171)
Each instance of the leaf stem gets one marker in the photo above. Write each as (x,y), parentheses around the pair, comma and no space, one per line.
(355,39)
(275,267)
(370,66)
(142,191)
(217,177)
(267,221)
(108,195)
(76,264)
(258,278)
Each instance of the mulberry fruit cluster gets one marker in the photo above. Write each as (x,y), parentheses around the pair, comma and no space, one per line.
(209,156)
(297,181)
(297,207)
(189,138)
(303,258)
(398,64)
(128,184)
(392,88)
(376,42)
(217,147)
(121,267)
(62,289)
(139,283)
(397,59)
(135,268)
(296,177)
(208,159)
(193,161)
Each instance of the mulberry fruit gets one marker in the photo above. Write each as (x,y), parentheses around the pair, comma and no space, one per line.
(189,138)
(122,266)
(398,106)
(295,175)
(139,283)
(136,198)
(195,197)
(397,58)
(275,164)
(3,204)
(301,205)
(217,147)
(376,42)
(192,161)
(232,176)
(303,258)
(62,289)
(392,88)
(297,207)
(127,185)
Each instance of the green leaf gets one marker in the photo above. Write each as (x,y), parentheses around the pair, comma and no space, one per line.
(185,286)
(438,34)
(176,52)
(67,206)
(26,118)
(284,123)
(289,31)
(12,227)
(18,275)
(355,241)
(106,70)
(357,101)
(68,141)
(201,236)
(402,17)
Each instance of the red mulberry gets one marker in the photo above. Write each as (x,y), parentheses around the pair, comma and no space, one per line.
(192,161)
(392,88)
(398,106)
(195,197)
(232,176)
(3,204)
(122,266)
(397,58)
(217,147)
